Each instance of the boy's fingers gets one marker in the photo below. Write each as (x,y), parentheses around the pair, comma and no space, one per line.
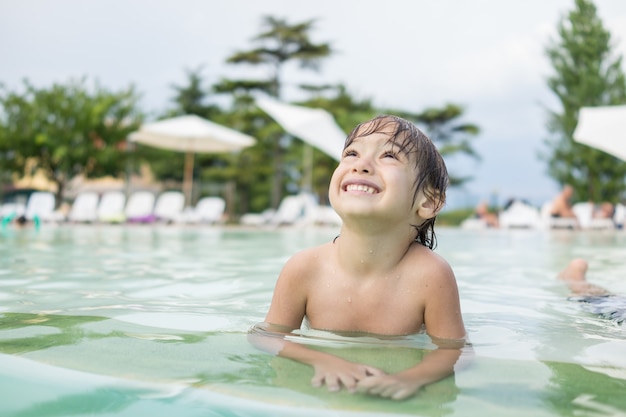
(318,379)
(333,384)
(371,371)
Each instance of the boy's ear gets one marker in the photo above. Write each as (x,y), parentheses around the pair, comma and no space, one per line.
(427,205)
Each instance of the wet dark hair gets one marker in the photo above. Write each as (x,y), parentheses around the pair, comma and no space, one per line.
(432,174)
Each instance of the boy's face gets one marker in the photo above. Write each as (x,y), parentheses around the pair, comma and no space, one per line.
(375,178)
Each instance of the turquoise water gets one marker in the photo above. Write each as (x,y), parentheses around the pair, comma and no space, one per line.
(152,320)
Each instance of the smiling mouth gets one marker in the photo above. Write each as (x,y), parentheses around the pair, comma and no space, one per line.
(361,188)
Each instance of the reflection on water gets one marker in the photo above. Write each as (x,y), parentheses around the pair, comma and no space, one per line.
(129,321)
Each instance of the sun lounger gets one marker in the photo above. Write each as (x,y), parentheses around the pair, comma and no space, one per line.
(140,207)
(111,207)
(295,209)
(85,208)
(210,210)
(300,209)
(620,216)
(257,219)
(40,207)
(12,210)
(474,223)
(519,215)
(169,206)
(550,222)
(584,213)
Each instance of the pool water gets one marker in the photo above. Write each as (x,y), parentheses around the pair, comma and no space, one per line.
(152,321)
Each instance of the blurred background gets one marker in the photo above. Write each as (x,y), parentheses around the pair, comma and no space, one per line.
(496,85)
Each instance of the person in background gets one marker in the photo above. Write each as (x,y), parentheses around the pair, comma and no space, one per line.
(562,205)
(595,299)
(482,212)
(604,210)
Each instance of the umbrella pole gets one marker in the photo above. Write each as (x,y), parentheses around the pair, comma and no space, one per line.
(188,178)
(307,162)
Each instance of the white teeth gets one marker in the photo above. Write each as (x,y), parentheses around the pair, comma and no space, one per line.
(360,187)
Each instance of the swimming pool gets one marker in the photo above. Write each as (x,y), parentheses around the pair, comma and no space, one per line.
(152,320)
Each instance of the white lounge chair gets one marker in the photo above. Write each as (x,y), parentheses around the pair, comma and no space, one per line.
(300,209)
(620,216)
(326,215)
(11,211)
(85,208)
(257,219)
(111,207)
(519,215)
(474,223)
(584,213)
(210,210)
(295,209)
(169,206)
(140,207)
(40,206)
(550,222)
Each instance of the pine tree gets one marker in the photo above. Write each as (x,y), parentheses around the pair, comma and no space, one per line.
(586,73)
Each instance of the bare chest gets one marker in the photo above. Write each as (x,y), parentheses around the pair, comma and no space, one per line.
(383,306)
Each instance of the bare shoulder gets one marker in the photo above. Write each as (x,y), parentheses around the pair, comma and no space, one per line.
(442,310)
(301,270)
(306,262)
(433,267)
(292,289)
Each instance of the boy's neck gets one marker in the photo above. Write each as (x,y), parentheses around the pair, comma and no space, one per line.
(366,251)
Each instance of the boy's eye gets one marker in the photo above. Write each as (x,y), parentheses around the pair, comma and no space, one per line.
(349,152)
(390,154)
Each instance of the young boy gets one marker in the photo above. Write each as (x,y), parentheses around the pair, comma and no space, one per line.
(380,275)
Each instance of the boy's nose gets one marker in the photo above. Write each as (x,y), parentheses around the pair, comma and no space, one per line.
(362,166)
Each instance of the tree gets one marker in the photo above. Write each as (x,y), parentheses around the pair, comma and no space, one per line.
(193,98)
(586,73)
(445,129)
(280,43)
(68,129)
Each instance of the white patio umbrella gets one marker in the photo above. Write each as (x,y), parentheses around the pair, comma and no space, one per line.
(603,128)
(191,134)
(316,127)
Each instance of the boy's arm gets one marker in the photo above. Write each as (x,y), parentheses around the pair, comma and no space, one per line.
(329,369)
(444,323)
(286,313)
(436,365)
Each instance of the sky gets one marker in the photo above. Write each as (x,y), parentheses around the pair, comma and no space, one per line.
(486,55)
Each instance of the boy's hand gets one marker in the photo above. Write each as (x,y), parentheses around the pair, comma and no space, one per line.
(396,387)
(337,372)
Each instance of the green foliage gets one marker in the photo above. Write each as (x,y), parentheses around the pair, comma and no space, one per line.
(279,43)
(282,42)
(453,218)
(193,98)
(68,129)
(585,74)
